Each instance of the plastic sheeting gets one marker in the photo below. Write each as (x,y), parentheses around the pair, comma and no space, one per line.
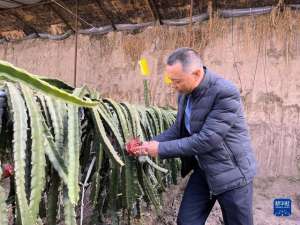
(95,30)
(228,13)
(124,27)
(55,37)
(185,21)
(295,6)
(42,36)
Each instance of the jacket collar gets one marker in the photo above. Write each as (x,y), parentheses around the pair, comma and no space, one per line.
(203,85)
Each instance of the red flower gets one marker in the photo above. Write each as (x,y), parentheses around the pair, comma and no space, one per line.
(8,170)
(135,142)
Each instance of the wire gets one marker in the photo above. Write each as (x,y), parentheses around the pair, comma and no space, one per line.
(76,44)
(73,14)
(191,25)
(235,65)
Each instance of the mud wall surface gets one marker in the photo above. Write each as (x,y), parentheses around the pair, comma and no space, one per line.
(260,55)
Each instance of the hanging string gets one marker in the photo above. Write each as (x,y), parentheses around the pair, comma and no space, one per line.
(191,24)
(76,44)
(235,63)
(73,14)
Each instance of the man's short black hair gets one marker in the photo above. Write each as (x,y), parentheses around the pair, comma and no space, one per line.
(185,56)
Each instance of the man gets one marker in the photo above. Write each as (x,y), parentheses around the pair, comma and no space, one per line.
(210,136)
(2,105)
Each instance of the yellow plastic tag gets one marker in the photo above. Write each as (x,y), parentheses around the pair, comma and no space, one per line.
(144,67)
(167,80)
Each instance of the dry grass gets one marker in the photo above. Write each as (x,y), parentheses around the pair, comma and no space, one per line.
(12,35)
(252,32)
(133,46)
(281,23)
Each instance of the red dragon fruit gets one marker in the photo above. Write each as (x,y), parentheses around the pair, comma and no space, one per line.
(135,142)
(8,170)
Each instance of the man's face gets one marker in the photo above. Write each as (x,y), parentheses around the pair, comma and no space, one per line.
(182,81)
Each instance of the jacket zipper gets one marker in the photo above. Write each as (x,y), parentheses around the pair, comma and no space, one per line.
(198,161)
(209,186)
(232,157)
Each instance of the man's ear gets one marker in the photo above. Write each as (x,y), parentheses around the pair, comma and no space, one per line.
(198,72)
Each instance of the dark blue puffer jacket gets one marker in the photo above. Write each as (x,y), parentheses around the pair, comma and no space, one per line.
(2,105)
(219,139)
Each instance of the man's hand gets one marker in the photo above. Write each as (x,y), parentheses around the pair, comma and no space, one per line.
(147,148)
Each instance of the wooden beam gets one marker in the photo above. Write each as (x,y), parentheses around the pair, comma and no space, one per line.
(154,10)
(106,14)
(25,6)
(61,17)
(14,1)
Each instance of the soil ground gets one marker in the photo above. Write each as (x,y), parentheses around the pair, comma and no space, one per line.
(265,191)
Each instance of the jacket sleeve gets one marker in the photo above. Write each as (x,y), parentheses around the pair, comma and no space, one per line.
(2,105)
(172,133)
(169,134)
(2,99)
(218,122)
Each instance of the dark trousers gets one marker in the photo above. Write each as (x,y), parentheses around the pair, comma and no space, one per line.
(236,204)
